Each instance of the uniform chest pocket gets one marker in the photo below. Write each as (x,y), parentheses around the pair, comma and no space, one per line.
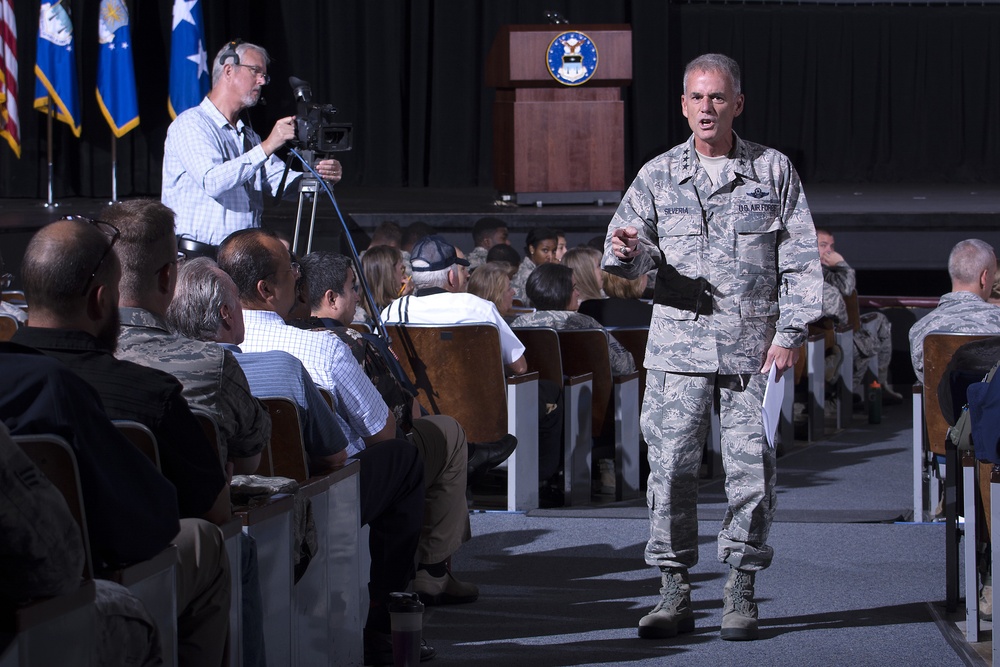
(674,224)
(757,244)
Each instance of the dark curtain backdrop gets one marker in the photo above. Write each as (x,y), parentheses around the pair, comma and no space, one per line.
(852,93)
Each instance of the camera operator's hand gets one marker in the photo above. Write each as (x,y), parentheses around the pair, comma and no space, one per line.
(330,170)
(283,130)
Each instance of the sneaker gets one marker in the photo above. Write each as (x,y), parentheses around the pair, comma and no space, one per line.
(378,649)
(605,483)
(672,614)
(739,611)
(986,602)
(443,590)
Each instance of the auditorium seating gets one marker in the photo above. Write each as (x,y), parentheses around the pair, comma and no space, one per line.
(542,353)
(152,581)
(8,325)
(458,371)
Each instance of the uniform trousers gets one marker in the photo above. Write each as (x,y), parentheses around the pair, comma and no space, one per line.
(445,453)
(203,595)
(675,420)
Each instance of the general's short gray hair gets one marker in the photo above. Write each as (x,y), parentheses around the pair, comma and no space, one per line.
(425,279)
(715,62)
(195,311)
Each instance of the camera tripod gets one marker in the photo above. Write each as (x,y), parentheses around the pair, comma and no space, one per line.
(309,188)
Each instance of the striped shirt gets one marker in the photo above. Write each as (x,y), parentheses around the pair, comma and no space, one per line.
(359,409)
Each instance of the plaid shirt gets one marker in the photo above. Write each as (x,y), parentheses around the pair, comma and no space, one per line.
(214,174)
(359,408)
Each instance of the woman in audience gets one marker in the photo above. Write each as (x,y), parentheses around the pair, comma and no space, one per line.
(552,291)
(386,276)
(561,246)
(540,248)
(623,307)
(586,265)
(491,281)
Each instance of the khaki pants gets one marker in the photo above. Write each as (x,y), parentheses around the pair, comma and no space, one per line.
(203,590)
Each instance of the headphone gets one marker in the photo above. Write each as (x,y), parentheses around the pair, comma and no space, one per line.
(230,52)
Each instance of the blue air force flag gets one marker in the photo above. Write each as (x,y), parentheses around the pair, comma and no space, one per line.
(189,75)
(55,66)
(115,74)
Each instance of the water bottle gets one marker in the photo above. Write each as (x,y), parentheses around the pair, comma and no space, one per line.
(406,614)
(874,403)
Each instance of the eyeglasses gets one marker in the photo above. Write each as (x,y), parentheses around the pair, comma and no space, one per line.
(258,72)
(105,228)
(292,266)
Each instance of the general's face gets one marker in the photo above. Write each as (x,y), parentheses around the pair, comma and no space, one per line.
(544,252)
(710,104)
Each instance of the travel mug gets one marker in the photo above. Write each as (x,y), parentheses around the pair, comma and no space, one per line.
(406,614)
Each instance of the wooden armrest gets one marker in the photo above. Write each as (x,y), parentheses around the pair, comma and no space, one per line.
(275,505)
(918,389)
(233,526)
(968,460)
(314,486)
(995,475)
(622,379)
(45,609)
(815,338)
(573,380)
(523,378)
(137,572)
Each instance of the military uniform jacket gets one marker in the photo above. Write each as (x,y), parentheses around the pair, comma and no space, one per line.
(738,266)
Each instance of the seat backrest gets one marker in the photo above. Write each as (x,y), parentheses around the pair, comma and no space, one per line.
(853,310)
(360,327)
(458,371)
(939,347)
(541,352)
(586,351)
(8,325)
(140,436)
(634,339)
(212,432)
(286,451)
(55,458)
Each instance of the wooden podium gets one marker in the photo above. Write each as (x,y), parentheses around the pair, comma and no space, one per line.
(555,143)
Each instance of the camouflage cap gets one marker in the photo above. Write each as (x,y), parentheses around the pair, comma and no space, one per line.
(433,253)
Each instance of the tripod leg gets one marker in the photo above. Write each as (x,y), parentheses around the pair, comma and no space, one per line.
(312,225)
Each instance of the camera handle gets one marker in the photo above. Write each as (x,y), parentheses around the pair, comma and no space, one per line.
(306,157)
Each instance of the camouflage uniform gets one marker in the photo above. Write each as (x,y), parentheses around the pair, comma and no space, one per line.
(738,271)
(212,378)
(873,340)
(621,360)
(477,257)
(957,312)
(520,280)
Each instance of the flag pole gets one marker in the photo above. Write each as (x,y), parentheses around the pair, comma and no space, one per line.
(114,169)
(49,116)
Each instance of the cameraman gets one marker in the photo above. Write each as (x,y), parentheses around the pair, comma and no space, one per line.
(214,166)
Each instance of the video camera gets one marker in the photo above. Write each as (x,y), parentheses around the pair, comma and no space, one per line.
(315,129)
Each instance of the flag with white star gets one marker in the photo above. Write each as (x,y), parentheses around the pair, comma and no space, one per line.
(115,74)
(189,73)
(55,65)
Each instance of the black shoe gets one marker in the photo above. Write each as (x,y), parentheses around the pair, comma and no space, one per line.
(378,649)
(550,496)
(486,455)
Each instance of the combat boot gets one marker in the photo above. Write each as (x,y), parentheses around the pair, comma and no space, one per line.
(739,611)
(672,614)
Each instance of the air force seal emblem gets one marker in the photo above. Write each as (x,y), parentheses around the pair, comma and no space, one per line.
(572,58)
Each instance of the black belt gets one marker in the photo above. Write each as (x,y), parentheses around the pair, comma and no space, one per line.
(193,248)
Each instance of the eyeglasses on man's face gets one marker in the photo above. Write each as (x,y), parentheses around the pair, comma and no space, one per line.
(258,72)
(105,228)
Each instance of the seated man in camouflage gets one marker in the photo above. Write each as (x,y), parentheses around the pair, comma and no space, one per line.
(212,379)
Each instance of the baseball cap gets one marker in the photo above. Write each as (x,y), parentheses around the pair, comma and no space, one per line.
(433,253)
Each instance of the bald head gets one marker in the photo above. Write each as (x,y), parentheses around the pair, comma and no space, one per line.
(63,263)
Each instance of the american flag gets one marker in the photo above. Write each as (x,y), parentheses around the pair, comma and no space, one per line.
(9,126)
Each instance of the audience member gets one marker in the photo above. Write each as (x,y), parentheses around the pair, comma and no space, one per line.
(539,248)
(413,233)
(9,308)
(972,266)
(440,276)
(388,233)
(586,265)
(486,233)
(212,379)
(80,329)
(505,253)
(385,273)
(207,306)
(561,247)
(253,259)
(132,510)
(874,339)
(491,282)
(553,290)
(623,307)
